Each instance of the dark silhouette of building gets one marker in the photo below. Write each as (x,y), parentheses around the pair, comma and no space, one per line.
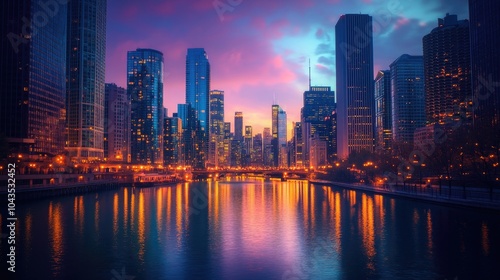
(447,71)
(355,95)
(117,124)
(33,76)
(383,110)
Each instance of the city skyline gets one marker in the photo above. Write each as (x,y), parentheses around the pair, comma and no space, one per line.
(278,43)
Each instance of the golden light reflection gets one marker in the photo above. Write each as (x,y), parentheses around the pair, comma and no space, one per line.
(78,213)
(169,208)
(56,236)
(141,230)
(178,215)
(485,238)
(367,225)
(115,214)
(379,206)
(429,230)
(125,209)
(159,210)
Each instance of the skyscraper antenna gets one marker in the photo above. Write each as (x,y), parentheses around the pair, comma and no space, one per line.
(309,73)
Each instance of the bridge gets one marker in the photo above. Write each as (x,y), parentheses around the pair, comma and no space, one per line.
(282,174)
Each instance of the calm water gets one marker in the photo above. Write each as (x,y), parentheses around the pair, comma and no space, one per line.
(251,230)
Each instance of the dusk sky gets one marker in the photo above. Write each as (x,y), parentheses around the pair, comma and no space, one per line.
(260,49)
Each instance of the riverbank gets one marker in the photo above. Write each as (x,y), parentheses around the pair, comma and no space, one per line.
(431,194)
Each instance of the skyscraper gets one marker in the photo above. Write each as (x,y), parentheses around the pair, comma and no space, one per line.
(117,124)
(86,57)
(383,110)
(354,64)
(248,146)
(172,141)
(190,135)
(407,97)
(279,136)
(216,146)
(257,151)
(145,86)
(267,146)
(238,126)
(32,80)
(485,63)
(197,95)
(447,71)
(319,103)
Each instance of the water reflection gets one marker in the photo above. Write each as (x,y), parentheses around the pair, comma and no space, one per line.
(254,229)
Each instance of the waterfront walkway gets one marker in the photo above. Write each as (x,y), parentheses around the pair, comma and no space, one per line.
(468,197)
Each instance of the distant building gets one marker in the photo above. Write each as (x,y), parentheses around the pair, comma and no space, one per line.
(257,152)
(318,152)
(172,141)
(407,97)
(216,146)
(117,124)
(319,103)
(267,147)
(238,126)
(383,110)
(248,146)
(191,135)
(145,87)
(355,94)
(279,134)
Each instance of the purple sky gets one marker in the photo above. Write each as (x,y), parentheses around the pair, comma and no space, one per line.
(259,49)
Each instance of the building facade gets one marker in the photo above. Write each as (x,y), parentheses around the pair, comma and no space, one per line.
(145,87)
(485,63)
(447,71)
(33,79)
(197,95)
(117,124)
(216,146)
(383,110)
(355,95)
(86,58)
(407,97)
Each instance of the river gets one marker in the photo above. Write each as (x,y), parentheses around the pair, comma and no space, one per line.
(250,229)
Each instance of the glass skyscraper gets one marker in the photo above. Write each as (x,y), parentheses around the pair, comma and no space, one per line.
(383,110)
(216,148)
(279,135)
(197,95)
(319,103)
(145,87)
(407,97)
(238,126)
(86,57)
(355,95)
(33,77)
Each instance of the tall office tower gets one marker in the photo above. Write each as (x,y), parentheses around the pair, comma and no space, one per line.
(216,146)
(267,146)
(447,71)
(85,71)
(172,141)
(319,103)
(197,95)
(238,126)
(485,63)
(407,97)
(248,146)
(355,96)
(145,86)
(190,134)
(383,110)
(279,131)
(257,152)
(116,124)
(297,154)
(32,80)
(227,144)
